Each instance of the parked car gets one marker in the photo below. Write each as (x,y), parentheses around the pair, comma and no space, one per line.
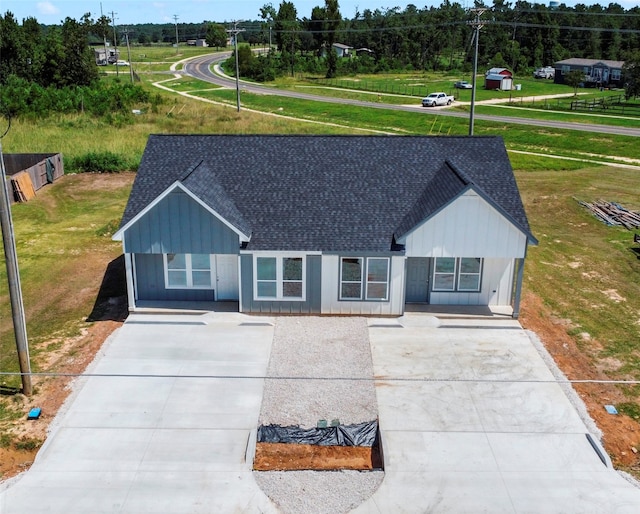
(122,63)
(544,73)
(463,84)
(437,99)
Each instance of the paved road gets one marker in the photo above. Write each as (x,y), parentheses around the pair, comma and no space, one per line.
(200,68)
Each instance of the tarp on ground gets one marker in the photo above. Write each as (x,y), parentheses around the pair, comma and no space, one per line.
(359,434)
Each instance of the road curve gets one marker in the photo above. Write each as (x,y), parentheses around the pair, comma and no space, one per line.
(201,68)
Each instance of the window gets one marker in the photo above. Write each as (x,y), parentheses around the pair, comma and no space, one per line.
(565,69)
(355,284)
(279,277)
(187,271)
(615,74)
(463,274)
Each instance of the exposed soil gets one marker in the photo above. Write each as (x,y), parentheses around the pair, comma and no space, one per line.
(294,457)
(49,394)
(621,433)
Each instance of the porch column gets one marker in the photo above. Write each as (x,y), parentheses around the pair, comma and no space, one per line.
(128,267)
(518,288)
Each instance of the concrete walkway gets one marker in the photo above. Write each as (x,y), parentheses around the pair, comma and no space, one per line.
(471,418)
(169,444)
(472,421)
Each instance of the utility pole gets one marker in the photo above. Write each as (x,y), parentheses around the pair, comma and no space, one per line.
(477,25)
(115,41)
(13,276)
(175,19)
(104,38)
(126,35)
(235,31)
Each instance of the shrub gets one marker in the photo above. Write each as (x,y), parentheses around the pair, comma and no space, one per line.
(99,162)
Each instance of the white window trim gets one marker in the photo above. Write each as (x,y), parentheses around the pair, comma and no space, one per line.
(386,281)
(456,276)
(279,257)
(351,298)
(364,281)
(189,272)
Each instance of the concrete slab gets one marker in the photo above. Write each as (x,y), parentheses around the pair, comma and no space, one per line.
(472,420)
(161,425)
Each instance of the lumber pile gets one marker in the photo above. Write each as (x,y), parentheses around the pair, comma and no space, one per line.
(23,189)
(613,213)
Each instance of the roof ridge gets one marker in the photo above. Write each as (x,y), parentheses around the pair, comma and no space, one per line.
(190,170)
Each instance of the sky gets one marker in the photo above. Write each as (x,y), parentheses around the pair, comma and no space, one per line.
(51,12)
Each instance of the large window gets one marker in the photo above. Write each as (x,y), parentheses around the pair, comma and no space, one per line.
(463,274)
(187,271)
(279,277)
(364,278)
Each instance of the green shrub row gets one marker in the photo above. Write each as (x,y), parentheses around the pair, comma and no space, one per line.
(100,162)
(20,97)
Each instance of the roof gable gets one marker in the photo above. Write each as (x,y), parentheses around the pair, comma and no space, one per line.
(325,193)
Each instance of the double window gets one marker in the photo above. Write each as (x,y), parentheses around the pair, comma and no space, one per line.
(457,274)
(364,278)
(279,277)
(188,271)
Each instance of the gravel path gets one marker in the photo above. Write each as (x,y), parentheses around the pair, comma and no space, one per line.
(324,371)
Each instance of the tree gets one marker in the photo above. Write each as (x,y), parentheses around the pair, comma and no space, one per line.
(574,78)
(268,14)
(216,35)
(287,28)
(333,20)
(631,73)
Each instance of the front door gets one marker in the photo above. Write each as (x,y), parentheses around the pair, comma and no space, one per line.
(227,277)
(417,280)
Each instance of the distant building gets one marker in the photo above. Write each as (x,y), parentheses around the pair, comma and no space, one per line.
(498,78)
(597,72)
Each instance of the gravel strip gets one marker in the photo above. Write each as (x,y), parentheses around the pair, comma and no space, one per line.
(328,370)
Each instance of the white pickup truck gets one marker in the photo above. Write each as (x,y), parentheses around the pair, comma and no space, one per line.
(437,99)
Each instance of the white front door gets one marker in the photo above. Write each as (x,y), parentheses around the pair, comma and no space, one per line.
(226,277)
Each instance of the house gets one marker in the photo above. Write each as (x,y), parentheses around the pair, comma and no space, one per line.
(597,72)
(357,225)
(342,50)
(106,55)
(498,78)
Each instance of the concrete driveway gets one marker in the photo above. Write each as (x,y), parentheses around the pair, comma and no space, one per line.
(471,418)
(166,444)
(472,421)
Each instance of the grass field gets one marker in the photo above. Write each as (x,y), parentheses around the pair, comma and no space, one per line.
(586,273)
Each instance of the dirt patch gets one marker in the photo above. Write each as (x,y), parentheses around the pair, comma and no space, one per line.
(49,394)
(621,433)
(296,457)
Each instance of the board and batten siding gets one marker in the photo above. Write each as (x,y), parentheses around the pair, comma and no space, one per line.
(311,304)
(150,283)
(331,304)
(178,224)
(468,227)
(495,287)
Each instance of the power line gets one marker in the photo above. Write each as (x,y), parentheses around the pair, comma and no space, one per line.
(323,378)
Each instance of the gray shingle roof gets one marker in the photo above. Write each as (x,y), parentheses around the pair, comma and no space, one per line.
(326,193)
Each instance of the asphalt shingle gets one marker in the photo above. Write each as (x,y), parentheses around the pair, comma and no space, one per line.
(326,193)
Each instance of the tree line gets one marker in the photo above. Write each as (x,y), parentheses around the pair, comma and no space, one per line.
(519,35)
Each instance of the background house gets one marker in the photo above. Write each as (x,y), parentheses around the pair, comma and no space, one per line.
(356,225)
(597,73)
(342,50)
